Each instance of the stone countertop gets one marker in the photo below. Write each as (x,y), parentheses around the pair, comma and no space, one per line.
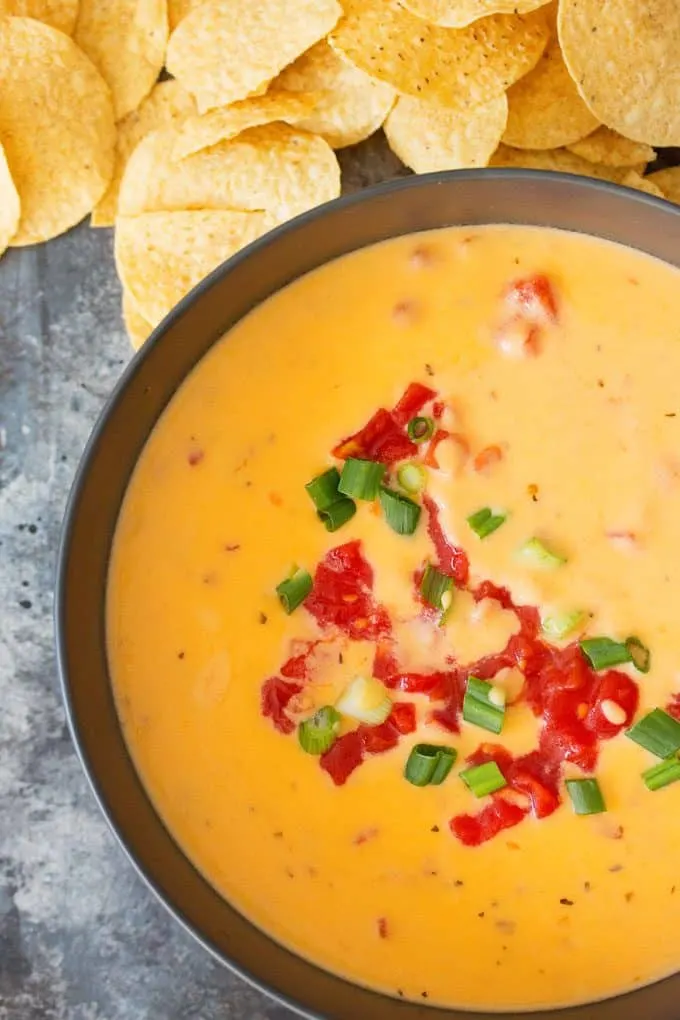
(81,937)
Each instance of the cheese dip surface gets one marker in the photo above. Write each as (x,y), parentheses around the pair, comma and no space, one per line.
(441,760)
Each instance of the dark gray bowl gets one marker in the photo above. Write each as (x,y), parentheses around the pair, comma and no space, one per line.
(416,203)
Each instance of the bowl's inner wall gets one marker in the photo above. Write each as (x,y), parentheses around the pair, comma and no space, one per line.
(417,203)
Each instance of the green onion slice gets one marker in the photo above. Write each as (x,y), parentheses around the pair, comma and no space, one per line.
(429,764)
(483,705)
(603,652)
(320,732)
(657,732)
(560,624)
(419,430)
(663,774)
(538,556)
(365,699)
(484,779)
(294,590)
(412,477)
(401,513)
(323,490)
(337,514)
(586,796)
(484,522)
(640,655)
(361,478)
(434,586)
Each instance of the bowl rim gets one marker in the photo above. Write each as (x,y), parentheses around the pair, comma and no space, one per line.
(363,196)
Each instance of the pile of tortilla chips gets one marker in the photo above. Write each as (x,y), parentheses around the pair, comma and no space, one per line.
(194,126)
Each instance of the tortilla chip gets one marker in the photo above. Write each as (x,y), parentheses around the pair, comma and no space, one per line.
(608,147)
(10,206)
(56,122)
(178,10)
(668,181)
(166,104)
(59,14)
(226,50)
(350,106)
(633,179)
(625,58)
(136,326)
(459,13)
(272,167)
(561,160)
(428,137)
(458,67)
(161,256)
(206,129)
(545,110)
(125,40)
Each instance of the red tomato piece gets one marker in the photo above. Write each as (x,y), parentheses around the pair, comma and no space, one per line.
(412,402)
(619,688)
(403,716)
(376,739)
(414,683)
(673,706)
(487,752)
(534,297)
(448,716)
(381,439)
(538,778)
(451,560)
(298,667)
(274,697)
(473,830)
(346,755)
(385,662)
(341,595)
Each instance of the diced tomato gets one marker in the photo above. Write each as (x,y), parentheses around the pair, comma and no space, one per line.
(438,409)
(538,778)
(673,706)
(416,683)
(403,716)
(448,716)
(297,667)
(393,447)
(487,752)
(346,755)
(452,560)
(381,439)
(341,595)
(489,590)
(617,687)
(534,297)
(430,458)
(385,662)
(376,739)
(473,830)
(412,402)
(274,698)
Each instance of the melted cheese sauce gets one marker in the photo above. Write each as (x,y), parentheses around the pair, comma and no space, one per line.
(552,912)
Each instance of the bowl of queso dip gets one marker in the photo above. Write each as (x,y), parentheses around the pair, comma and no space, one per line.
(368,604)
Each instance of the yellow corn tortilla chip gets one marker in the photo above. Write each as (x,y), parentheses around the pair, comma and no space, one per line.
(160,256)
(136,326)
(428,136)
(545,110)
(226,50)
(561,160)
(10,206)
(178,10)
(56,122)
(668,182)
(458,67)
(350,105)
(459,13)
(167,103)
(612,149)
(633,179)
(126,41)
(206,129)
(59,14)
(625,59)
(273,167)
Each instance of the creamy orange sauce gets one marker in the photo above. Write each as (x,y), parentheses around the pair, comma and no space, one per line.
(552,912)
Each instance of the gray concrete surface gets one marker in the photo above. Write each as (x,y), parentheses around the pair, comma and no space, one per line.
(81,938)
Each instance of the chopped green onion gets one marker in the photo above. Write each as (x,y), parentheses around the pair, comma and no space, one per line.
(401,513)
(480,708)
(657,732)
(320,732)
(446,761)
(640,655)
(559,625)
(429,764)
(663,774)
(412,477)
(337,514)
(484,522)
(603,652)
(294,589)
(484,779)
(586,796)
(536,554)
(419,430)
(434,586)
(365,699)
(323,490)
(361,478)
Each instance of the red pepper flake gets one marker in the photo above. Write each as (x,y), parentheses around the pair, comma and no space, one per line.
(405,313)
(383,930)
(275,499)
(195,457)
(487,458)
(365,836)
(232,548)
